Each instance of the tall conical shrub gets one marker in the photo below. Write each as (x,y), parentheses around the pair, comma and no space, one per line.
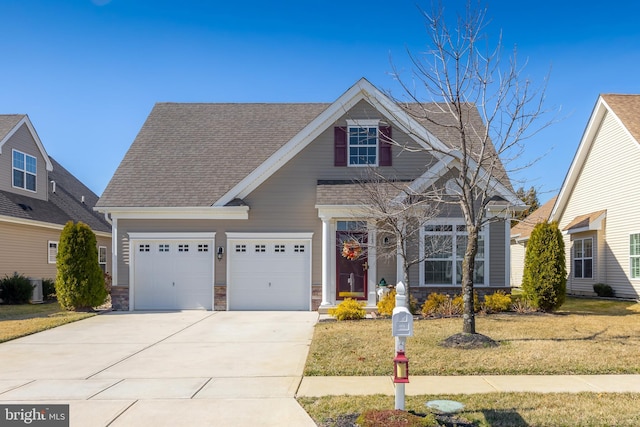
(544,279)
(80,280)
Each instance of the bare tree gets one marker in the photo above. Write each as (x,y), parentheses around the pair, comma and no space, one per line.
(457,78)
(399,212)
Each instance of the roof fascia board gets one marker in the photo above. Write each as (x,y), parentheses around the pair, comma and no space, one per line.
(199,212)
(34,135)
(579,158)
(42,224)
(362,90)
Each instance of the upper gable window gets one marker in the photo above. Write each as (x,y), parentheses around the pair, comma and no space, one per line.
(363,143)
(24,171)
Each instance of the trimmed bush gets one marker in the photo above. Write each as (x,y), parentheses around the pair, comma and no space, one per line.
(349,309)
(603,290)
(544,278)
(16,289)
(80,280)
(434,304)
(497,302)
(48,289)
(388,303)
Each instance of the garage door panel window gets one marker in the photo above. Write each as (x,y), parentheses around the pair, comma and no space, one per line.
(241,248)
(298,248)
(261,248)
(183,248)
(163,248)
(144,248)
(279,248)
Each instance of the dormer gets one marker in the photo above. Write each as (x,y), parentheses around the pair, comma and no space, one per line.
(24,163)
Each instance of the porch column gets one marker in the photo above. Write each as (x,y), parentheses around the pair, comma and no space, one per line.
(399,258)
(326,261)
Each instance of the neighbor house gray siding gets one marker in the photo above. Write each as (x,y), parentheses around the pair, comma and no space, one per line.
(22,141)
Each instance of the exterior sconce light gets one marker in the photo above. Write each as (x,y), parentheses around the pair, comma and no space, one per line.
(400,368)
(220,253)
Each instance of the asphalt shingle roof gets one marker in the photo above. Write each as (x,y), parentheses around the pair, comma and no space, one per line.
(524,228)
(63,205)
(189,155)
(192,154)
(627,108)
(8,122)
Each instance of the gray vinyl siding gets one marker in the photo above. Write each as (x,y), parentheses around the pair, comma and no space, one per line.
(22,141)
(608,182)
(497,248)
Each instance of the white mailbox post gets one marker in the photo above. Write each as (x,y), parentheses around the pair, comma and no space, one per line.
(401,328)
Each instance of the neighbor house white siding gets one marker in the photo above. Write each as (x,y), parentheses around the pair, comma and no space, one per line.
(607,181)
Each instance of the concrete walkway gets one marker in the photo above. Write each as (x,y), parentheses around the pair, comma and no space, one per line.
(191,368)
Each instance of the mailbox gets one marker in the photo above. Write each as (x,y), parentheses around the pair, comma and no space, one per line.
(401,322)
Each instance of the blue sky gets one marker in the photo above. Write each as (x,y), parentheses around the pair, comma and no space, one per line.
(88,72)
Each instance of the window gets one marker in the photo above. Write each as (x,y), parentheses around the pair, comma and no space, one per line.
(163,247)
(363,146)
(241,248)
(298,248)
(261,248)
(203,248)
(52,252)
(143,248)
(634,252)
(443,252)
(183,248)
(102,258)
(583,258)
(279,248)
(24,171)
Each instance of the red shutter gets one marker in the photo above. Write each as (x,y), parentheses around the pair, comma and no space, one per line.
(385,146)
(340,146)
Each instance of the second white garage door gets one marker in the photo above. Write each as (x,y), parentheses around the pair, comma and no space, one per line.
(269,274)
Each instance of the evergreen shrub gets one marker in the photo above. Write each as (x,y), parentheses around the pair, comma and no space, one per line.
(80,280)
(497,302)
(544,278)
(16,289)
(604,290)
(349,309)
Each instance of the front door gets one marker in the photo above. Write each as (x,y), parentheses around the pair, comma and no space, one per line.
(351,264)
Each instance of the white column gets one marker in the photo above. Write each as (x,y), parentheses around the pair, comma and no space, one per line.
(326,261)
(114,251)
(399,258)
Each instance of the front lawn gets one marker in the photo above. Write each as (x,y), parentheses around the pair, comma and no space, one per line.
(585,337)
(496,409)
(26,319)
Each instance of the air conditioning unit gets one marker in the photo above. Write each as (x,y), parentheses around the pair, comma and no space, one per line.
(36,296)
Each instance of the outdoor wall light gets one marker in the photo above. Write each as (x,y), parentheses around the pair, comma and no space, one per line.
(400,368)
(220,252)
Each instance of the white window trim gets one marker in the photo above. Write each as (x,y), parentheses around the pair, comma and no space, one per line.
(484,232)
(361,124)
(49,251)
(24,171)
(106,255)
(583,258)
(631,257)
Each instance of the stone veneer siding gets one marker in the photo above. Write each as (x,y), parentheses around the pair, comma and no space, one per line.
(220,297)
(120,298)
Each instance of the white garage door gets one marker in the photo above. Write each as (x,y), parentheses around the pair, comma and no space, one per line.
(172,274)
(269,274)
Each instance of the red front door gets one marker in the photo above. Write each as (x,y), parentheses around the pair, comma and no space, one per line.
(351,265)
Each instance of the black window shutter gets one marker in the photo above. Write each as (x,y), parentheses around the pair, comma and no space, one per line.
(340,146)
(385,146)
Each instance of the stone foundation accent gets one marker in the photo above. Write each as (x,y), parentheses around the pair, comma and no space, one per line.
(316,297)
(220,297)
(120,298)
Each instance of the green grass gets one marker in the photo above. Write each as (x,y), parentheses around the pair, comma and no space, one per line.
(499,409)
(26,319)
(584,337)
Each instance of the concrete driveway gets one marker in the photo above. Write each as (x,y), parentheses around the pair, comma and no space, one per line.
(195,368)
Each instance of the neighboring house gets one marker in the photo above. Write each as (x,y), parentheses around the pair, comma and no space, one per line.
(597,208)
(248,206)
(37,198)
(520,234)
